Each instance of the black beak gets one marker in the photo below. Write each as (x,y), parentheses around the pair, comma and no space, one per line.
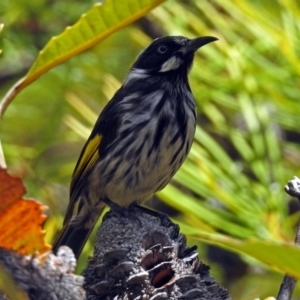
(195,44)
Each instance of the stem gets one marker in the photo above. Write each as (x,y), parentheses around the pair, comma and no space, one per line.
(9,96)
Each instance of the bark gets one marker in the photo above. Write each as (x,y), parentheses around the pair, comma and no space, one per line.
(46,277)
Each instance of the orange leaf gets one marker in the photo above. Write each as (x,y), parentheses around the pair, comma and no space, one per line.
(20,219)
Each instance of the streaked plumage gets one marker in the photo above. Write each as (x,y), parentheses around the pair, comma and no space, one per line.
(140,139)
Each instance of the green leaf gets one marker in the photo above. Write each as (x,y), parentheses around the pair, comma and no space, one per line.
(102,20)
(97,24)
(280,256)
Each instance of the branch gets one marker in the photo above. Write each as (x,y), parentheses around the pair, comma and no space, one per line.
(288,284)
(46,277)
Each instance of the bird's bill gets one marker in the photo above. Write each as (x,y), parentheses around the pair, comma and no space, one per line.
(194,44)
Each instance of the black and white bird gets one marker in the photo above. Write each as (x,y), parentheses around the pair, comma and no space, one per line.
(140,139)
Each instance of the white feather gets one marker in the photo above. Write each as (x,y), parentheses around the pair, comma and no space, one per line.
(135,74)
(171,64)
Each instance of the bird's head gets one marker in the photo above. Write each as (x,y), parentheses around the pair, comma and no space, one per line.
(170,53)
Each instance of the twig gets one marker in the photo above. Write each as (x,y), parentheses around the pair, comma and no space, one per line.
(288,284)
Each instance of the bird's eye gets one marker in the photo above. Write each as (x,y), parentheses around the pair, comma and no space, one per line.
(162,49)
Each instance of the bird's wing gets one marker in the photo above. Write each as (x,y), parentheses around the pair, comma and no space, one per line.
(102,135)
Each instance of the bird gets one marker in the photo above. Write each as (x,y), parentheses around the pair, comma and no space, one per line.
(139,141)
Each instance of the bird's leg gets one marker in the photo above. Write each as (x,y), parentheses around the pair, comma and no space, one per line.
(113,206)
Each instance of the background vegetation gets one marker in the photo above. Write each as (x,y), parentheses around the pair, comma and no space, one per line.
(247,142)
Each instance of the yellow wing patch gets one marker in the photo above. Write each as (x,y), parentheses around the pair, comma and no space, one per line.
(87,159)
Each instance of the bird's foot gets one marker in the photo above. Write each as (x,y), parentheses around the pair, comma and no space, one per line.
(124,212)
(164,219)
(132,211)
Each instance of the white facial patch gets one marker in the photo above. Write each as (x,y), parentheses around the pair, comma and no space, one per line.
(171,64)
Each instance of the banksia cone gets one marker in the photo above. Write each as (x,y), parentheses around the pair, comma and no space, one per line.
(138,256)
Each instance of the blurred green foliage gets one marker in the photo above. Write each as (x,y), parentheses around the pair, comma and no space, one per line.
(247,90)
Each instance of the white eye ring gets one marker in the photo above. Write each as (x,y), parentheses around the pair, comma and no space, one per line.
(162,49)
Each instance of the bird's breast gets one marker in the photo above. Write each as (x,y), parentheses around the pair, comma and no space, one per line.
(150,149)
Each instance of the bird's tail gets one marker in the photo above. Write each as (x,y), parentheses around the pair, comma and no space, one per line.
(74,235)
